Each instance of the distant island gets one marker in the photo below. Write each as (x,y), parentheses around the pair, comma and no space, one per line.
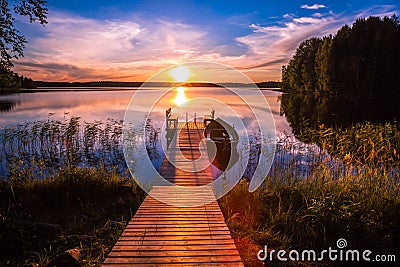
(24,84)
(267,84)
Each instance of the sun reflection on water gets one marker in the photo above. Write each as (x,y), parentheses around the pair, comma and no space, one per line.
(180,96)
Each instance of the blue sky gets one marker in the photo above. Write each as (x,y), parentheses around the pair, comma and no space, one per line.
(131,40)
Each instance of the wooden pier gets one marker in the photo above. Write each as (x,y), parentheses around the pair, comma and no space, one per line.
(185,235)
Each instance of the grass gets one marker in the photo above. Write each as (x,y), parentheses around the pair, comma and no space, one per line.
(357,198)
(313,215)
(65,187)
(362,143)
(80,209)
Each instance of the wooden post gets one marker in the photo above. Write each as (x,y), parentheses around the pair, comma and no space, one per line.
(171,125)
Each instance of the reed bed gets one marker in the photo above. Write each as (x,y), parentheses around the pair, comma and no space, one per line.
(64,187)
(43,148)
(362,143)
(319,192)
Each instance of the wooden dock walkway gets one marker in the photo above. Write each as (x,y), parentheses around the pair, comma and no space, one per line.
(185,235)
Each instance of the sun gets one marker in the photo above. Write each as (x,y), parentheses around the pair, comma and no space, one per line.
(180,96)
(180,74)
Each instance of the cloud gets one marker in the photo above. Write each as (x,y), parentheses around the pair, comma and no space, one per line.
(318,15)
(269,63)
(315,6)
(278,42)
(288,16)
(307,20)
(80,49)
(63,72)
(74,48)
(275,45)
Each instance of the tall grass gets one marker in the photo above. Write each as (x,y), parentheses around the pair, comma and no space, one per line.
(312,197)
(84,209)
(64,186)
(43,148)
(362,143)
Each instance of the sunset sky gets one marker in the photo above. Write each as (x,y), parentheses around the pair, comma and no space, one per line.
(129,40)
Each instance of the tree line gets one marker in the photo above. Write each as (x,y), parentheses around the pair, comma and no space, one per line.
(11,80)
(360,59)
(268,84)
(12,42)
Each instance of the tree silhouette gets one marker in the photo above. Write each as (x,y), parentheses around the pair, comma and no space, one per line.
(12,42)
(360,59)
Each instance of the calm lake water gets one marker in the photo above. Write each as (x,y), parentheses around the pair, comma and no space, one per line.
(291,114)
(93,105)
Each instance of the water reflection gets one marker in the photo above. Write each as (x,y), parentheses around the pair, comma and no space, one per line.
(89,105)
(180,96)
(99,105)
(7,105)
(95,107)
(309,111)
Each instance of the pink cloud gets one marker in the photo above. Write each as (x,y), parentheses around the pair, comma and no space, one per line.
(129,48)
(272,46)
(74,48)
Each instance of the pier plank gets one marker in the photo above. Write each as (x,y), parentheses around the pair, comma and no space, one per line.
(183,234)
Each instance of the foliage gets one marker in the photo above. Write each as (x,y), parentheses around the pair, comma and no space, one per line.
(347,186)
(362,143)
(315,212)
(64,186)
(361,59)
(44,147)
(362,129)
(310,199)
(11,40)
(79,208)
(11,80)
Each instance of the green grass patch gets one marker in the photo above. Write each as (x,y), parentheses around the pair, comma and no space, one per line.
(83,210)
(362,143)
(315,212)
(350,189)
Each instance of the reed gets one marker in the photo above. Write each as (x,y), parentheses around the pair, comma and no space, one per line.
(315,193)
(41,149)
(64,186)
(362,143)
(83,209)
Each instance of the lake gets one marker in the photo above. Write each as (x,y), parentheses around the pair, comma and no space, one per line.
(102,104)
(292,115)
(92,105)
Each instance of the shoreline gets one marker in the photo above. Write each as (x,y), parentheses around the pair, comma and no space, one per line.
(106,89)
